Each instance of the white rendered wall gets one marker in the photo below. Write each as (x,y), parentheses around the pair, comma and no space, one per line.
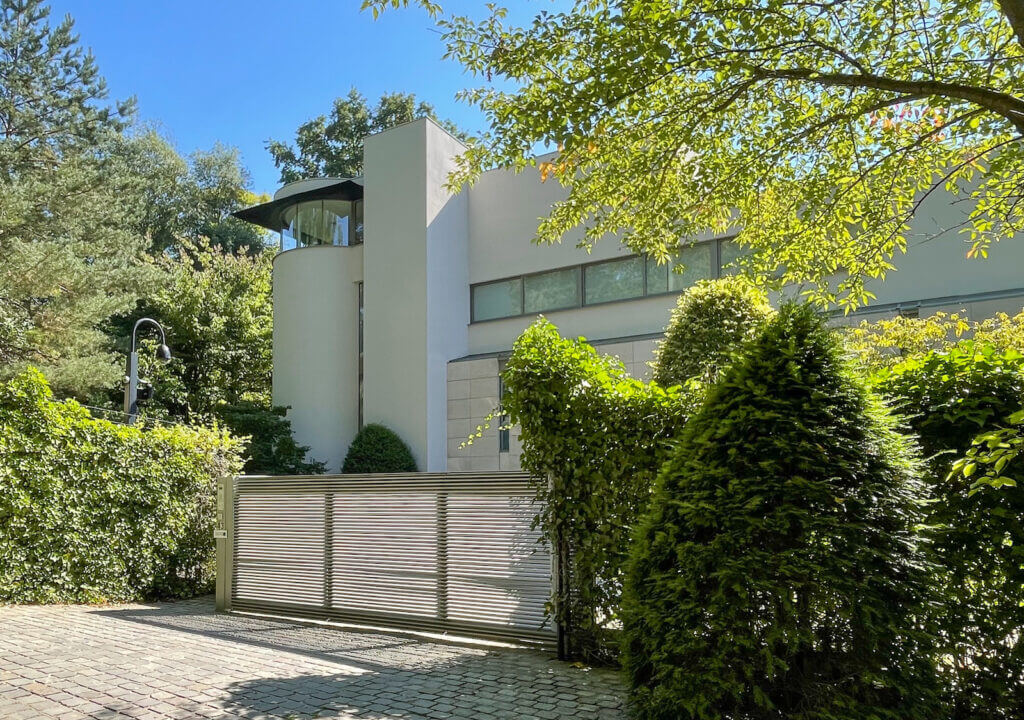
(416,289)
(447,285)
(316,352)
(505,208)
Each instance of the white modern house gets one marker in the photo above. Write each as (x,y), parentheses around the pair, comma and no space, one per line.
(396,301)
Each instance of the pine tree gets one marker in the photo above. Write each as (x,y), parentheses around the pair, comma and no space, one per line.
(67,258)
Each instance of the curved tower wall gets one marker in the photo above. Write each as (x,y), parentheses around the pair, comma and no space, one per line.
(316,346)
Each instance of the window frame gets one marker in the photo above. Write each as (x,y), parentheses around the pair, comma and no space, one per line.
(581,269)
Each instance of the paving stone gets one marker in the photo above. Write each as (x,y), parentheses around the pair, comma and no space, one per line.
(176,661)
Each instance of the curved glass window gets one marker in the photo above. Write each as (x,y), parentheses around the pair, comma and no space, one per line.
(322,222)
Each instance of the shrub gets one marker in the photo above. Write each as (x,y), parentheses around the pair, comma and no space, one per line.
(377,449)
(777,573)
(964,402)
(710,321)
(91,511)
(887,342)
(272,449)
(597,437)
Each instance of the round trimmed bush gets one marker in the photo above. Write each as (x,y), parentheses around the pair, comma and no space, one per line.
(377,449)
(711,320)
(777,573)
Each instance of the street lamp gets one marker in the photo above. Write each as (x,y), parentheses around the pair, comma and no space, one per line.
(131,380)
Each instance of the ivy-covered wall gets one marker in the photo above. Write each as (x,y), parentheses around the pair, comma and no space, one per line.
(91,511)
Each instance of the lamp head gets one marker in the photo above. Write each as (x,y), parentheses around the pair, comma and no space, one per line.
(163,353)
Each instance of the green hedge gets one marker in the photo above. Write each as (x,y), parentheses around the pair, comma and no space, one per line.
(779,572)
(91,511)
(967,401)
(600,436)
(378,449)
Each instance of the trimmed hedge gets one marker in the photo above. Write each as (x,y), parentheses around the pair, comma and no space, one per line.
(710,322)
(600,436)
(967,401)
(377,449)
(91,511)
(778,573)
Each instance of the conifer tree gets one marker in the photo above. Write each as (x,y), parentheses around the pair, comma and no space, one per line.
(67,258)
(778,573)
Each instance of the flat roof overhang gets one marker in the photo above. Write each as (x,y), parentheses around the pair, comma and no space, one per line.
(271,215)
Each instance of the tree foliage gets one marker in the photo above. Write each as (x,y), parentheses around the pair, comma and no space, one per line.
(887,342)
(92,512)
(332,145)
(378,449)
(217,310)
(596,437)
(67,259)
(270,446)
(812,129)
(218,313)
(180,201)
(778,572)
(710,322)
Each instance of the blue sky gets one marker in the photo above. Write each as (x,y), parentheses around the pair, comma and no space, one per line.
(243,72)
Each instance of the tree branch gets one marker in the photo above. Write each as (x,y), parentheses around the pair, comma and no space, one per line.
(1013,11)
(1007,106)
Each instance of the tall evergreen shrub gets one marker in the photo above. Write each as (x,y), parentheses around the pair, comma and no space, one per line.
(778,574)
(711,320)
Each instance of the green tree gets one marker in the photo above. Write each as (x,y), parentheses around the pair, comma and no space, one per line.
(217,309)
(812,129)
(779,573)
(180,200)
(968,401)
(710,322)
(332,145)
(68,258)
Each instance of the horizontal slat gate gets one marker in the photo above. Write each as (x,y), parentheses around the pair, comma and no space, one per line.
(436,552)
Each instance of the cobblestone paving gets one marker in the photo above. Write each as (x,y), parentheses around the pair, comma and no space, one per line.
(181,660)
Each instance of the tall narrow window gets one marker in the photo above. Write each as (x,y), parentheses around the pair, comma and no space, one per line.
(503,430)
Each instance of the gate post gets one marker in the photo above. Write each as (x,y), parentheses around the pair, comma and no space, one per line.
(559,586)
(224,537)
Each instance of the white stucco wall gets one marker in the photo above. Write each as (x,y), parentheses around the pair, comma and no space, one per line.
(395,285)
(316,352)
(447,271)
(417,289)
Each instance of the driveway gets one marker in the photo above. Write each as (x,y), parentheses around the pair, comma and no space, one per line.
(182,660)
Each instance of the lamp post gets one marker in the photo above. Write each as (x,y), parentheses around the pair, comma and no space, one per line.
(131,380)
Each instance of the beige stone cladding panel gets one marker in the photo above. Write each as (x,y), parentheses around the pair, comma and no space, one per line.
(472,396)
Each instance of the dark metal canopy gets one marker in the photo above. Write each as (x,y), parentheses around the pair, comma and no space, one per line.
(271,215)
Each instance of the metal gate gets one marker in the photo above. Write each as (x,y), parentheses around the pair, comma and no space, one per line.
(434,552)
